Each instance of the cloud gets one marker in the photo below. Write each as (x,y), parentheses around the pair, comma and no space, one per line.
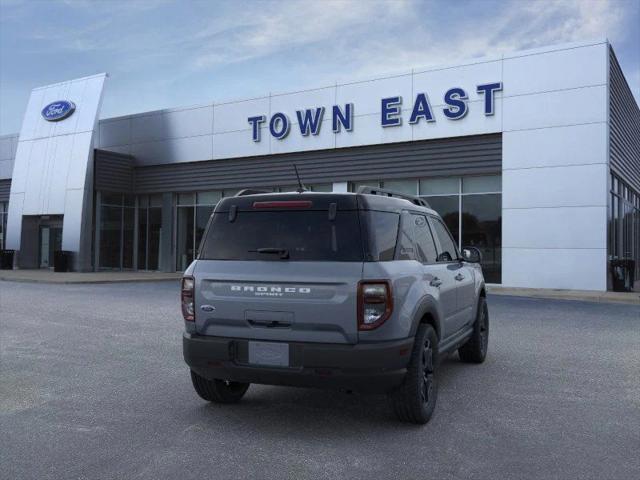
(286,26)
(515,26)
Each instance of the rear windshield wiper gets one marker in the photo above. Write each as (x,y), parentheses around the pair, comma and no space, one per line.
(283,252)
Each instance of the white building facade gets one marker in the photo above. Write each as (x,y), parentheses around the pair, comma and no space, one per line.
(533,157)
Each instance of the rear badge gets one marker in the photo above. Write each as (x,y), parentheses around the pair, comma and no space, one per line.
(270,291)
(207,308)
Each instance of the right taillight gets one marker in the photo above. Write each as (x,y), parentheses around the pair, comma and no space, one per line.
(375,303)
(186,297)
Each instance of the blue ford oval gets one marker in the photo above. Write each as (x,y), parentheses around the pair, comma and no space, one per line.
(58,110)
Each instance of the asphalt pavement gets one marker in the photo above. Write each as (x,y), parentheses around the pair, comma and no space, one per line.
(93,386)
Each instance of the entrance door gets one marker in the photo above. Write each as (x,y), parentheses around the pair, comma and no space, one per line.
(50,242)
(45,233)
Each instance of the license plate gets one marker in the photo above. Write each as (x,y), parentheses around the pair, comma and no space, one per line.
(269,353)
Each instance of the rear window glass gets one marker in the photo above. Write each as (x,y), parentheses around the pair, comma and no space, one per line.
(284,235)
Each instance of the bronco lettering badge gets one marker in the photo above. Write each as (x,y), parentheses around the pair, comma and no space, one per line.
(269,291)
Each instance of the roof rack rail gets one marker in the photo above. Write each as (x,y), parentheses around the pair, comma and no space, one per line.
(251,191)
(390,193)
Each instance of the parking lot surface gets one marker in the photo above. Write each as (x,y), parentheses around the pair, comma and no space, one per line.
(93,385)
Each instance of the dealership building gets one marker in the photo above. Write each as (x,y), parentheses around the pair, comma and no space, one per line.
(533,157)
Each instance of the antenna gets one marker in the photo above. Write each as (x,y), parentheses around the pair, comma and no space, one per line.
(300,185)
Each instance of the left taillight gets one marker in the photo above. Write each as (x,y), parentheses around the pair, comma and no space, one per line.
(187,298)
(375,303)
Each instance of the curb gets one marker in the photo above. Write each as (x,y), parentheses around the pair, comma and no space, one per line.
(632,299)
(87,282)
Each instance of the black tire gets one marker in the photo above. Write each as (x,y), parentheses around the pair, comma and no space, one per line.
(475,350)
(415,400)
(218,391)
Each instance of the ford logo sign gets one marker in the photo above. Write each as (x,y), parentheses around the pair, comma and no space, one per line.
(56,111)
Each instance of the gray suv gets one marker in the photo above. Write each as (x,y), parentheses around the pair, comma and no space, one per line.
(361,291)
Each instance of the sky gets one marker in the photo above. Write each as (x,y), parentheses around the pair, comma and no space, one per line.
(162,53)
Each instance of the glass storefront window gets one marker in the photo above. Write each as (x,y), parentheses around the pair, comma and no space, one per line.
(143,228)
(321,187)
(439,186)
(492,183)
(318,187)
(3,223)
(153,235)
(482,228)
(149,230)
(208,198)
(110,236)
(624,231)
(117,231)
(193,212)
(128,230)
(186,199)
(185,237)
(155,200)
(448,207)
(409,187)
(354,186)
(111,198)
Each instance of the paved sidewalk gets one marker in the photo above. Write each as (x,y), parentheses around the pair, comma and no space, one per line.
(49,276)
(583,295)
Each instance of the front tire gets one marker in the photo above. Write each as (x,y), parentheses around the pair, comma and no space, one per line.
(218,391)
(475,350)
(415,400)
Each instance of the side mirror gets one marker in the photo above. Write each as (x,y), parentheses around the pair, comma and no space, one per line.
(471,255)
(444,257)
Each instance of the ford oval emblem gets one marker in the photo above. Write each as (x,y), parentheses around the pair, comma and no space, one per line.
(56,111)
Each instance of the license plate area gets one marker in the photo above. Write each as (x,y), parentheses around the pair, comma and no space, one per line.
(272,354)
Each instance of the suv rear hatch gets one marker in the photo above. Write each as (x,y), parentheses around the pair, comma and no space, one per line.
(281,267)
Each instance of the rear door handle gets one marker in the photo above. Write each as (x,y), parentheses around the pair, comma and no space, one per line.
(435,282)
(459,277)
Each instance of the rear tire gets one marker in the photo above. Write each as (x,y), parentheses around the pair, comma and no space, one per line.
(218,391)
(475,350)
(415,400)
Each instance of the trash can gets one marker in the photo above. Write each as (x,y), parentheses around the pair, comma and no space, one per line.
(61,261)
(6,259)
(623,274)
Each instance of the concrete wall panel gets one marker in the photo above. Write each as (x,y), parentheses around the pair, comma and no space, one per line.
(548,147)
(572,269)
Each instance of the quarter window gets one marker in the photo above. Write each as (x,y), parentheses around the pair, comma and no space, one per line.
(406,250)
(424,240)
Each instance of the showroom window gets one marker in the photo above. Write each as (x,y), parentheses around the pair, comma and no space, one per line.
(624,234)
(149,231)
(470,206)
(3,224)
(117,226)
(193,212)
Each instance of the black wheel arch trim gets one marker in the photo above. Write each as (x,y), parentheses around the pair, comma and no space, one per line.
(427,307)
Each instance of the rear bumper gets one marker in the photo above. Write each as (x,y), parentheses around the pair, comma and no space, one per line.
(374,367)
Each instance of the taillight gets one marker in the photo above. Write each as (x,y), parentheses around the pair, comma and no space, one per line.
(375,303)
(186,297)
